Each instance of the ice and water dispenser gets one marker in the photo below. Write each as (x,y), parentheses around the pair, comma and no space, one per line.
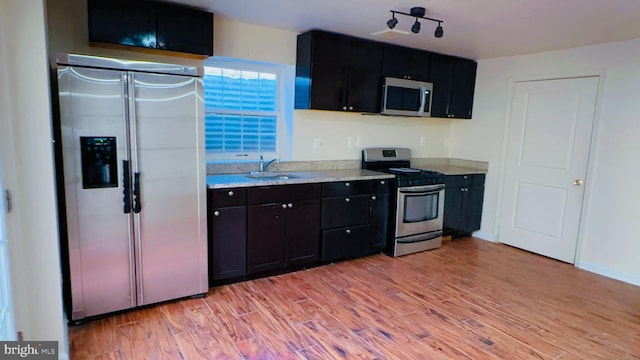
(99,162)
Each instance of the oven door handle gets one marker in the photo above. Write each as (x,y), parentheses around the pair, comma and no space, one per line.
(418,238)
(421,189)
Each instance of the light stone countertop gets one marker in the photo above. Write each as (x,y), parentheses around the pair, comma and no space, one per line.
(451,166)
(225,181)
(454,170)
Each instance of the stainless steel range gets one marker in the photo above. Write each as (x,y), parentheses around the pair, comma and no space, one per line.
(420,200)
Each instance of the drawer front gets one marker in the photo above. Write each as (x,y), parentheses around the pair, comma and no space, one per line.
(344,188)
(282,193)
(227,197)
(382,186)
(345,211)
(345,243)
(464,180)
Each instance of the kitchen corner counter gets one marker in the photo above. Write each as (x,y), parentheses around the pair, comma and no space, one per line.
(455,170)
(223,181)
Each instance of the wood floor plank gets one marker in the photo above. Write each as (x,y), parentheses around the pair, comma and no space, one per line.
(469,299)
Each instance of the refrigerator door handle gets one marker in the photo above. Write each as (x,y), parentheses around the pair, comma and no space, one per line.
(126,180)
(137,205)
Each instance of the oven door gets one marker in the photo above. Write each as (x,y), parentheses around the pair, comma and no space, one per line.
(420,209)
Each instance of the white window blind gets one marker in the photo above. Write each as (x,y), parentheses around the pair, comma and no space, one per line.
(241,111)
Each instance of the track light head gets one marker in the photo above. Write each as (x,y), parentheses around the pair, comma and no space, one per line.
(392,22)
(416,27)
(439,32)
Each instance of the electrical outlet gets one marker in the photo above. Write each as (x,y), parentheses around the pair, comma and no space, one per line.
(318,143)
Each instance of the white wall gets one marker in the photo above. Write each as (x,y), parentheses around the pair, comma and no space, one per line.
(27,159)
(609,241)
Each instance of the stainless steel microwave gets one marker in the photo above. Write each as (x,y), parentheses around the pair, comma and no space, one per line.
(406,97)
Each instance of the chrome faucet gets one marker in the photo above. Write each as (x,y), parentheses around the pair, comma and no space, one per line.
(265,165)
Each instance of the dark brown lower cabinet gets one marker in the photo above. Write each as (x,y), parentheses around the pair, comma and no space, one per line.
(282,233)
(269,229)
(344,243)
(265,237)
(463,199)
(302,244)
(229,246)
(379,222)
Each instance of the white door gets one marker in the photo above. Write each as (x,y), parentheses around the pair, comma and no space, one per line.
(6,310)
(548,152)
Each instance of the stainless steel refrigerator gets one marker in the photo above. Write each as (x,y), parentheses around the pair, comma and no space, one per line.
(134,182)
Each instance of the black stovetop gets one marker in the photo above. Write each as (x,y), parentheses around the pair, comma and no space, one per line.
(416,177)
(397,161)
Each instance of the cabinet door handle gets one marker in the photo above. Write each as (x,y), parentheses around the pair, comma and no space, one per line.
(344,108)
(381,182)
(347,200)
(348,231)
(347,184)
(284,206)
(373,197)
(230,193)
(216,213)
(290,205)
(350,107)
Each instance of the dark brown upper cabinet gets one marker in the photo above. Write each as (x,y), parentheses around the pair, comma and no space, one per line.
(151,25)
(344,73)
(405,63)
(338,72)
(454,81)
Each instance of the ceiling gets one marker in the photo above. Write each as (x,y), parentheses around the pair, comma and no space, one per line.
(475,29)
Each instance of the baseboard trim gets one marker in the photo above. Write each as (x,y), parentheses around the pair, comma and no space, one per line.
(608,272)
(484,236)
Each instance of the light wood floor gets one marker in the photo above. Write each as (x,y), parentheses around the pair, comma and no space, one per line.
(469,299)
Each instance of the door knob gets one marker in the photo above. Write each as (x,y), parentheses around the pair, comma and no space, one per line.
(577,182)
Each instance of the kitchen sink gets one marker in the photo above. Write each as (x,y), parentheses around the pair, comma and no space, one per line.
(269,175)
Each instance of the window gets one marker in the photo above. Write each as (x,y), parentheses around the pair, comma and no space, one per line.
(245,110)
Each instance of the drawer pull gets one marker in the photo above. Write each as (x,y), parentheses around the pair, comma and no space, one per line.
(230,193)
(382,182)
(348,231)
(284,206)
(347,200)
(347,184)
(290,205)
(216,213)
(373,197)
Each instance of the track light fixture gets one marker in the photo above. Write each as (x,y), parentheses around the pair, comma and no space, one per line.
(418,13)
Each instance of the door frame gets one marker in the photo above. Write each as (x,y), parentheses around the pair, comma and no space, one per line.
(595,135)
